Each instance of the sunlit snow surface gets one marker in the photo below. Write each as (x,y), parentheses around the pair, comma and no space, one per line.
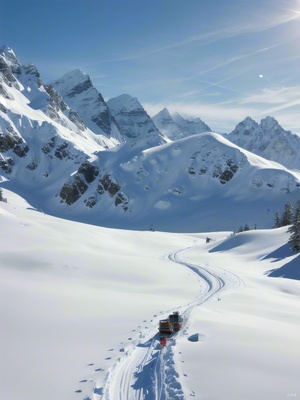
(80,306)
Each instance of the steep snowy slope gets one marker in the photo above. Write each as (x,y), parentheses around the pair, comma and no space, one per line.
(176,127)
(269,140)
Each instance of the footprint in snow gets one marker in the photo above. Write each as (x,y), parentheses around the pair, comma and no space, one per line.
(108,358)
(99,369)
(83,380)
(78,391)
(89,365)
(111,350)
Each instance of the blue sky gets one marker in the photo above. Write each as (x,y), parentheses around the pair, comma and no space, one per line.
(219,60)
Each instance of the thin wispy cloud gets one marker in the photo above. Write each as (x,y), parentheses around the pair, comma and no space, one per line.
(241,57)
(274,95)
(283,106)
(228,62)
(255,25)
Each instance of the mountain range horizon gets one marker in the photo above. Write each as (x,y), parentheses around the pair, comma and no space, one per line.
(72,154)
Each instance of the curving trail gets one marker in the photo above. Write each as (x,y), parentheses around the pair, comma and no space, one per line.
(145,372)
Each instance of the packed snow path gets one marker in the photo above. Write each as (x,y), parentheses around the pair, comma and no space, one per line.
(145,372)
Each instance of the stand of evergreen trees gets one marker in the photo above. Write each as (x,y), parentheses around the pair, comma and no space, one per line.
(293,219)
(294,230)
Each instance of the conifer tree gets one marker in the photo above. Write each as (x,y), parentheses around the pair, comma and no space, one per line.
(1,195)
(294,230)
(277,223)
(287,216)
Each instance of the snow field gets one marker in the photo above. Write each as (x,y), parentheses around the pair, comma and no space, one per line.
(70,293)
(249,344)
(80,307)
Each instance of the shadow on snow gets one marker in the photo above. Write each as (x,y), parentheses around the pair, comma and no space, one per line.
(291,270)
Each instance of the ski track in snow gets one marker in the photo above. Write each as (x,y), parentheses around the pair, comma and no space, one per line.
(142,371)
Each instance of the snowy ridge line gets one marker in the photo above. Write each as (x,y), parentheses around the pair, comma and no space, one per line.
(145,372)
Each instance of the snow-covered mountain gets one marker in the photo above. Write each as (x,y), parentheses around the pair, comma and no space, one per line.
(41,137)
(183,185)
(78,92)
(50,157)
(134,124)
(269,140)
(176,127)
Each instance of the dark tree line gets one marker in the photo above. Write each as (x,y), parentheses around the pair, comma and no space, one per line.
(294,230)
(244,228)
(289,217)
(286,218)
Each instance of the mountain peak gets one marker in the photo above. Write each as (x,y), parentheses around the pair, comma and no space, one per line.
(73,83)
(248,121)
(124,102)
(174,126)
(9,55)
(243,132)
(134,123)
(77,90)
(9,60)
(75,74)
(269,140)
(270,123)
(164,113)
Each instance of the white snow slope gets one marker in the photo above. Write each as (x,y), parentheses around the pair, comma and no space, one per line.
(80,307)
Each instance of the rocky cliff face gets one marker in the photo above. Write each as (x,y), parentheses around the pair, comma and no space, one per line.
(78,92)
(133,122)
(39,133)
(269,140)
